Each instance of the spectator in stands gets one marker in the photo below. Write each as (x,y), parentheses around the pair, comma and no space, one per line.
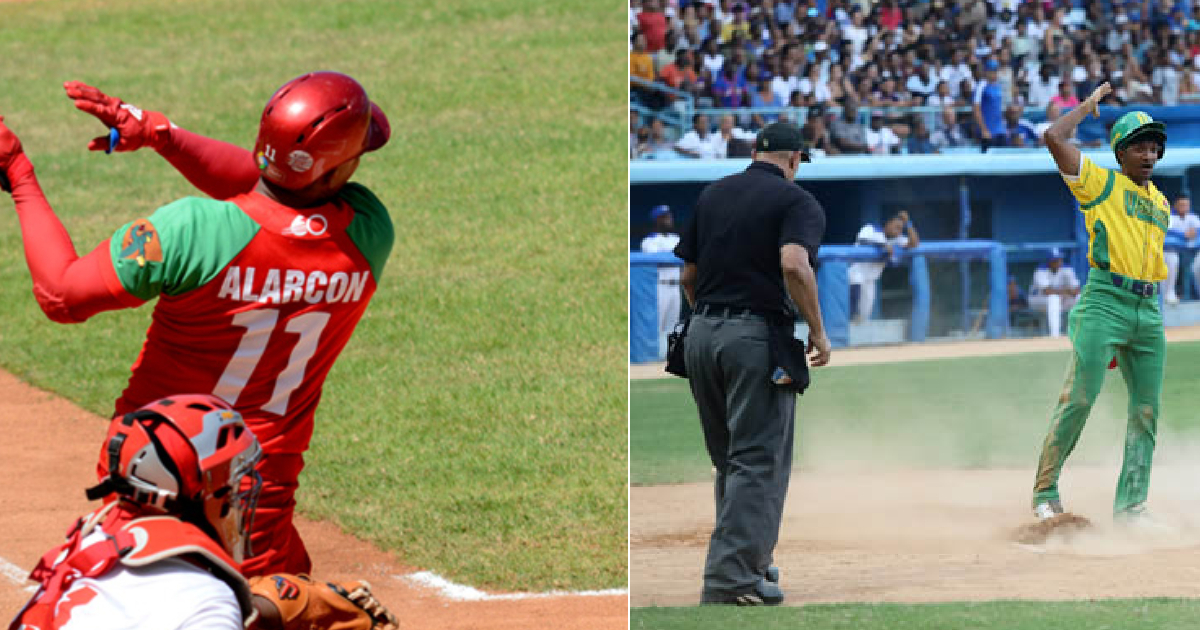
(881,140)
(897,233)
(1020,132)
(737,25)
(664,238)
(921,85)
(660,144)
(713,59)
(727,136)
(1183,225)
(786,82)
(697,143)
(919,139)
(987,104)
(1066,98)
(653,24)
(1053,111)
(848,134)
(815,133)
(941,96)
(679,74)
(728,89)
(949,133)
(1054,289)
(641,65)
(1043,87)
(764,96)
(1165,80)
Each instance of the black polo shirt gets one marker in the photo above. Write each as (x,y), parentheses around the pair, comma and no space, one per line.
(739,224)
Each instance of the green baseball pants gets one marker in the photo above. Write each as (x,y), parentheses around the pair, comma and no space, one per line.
(1109,321)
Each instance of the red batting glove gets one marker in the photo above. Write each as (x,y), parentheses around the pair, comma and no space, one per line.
(1112,365)
(14,166)
(138,128)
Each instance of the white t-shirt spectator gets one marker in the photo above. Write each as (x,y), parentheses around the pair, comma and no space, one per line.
(1040,92)
(691,141)
(714,63)
(1166,79)
(783,85)
(857,36)
(720,146)
(882,141)
(919,86)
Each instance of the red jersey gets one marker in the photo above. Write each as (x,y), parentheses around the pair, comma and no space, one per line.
(255,302)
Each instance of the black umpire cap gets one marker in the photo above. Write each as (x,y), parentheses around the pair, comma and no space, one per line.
(782,136)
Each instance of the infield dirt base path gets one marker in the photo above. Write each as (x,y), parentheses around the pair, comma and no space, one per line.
(47,452)
(934,535)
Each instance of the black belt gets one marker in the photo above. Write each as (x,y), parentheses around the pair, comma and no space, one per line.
(1136,287)
(718,310)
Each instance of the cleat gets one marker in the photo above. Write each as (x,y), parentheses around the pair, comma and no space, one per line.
(764,594)
(772,574)
(1048,509)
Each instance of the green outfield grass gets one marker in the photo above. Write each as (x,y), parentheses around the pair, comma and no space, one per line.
(973,412)
(1161,614)
(476,423)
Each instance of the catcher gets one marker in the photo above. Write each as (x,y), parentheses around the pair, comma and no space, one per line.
(165,549)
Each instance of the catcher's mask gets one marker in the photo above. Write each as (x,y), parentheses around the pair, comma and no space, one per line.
(191,456)
(313,124)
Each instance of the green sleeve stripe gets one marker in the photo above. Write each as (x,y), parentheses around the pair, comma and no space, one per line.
(371,229)
(197,238)
(1108,186)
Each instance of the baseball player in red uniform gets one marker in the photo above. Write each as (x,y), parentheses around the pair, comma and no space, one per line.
(258,289)
(165,549)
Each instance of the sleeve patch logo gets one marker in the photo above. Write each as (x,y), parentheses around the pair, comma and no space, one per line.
(141,243)
(286,588)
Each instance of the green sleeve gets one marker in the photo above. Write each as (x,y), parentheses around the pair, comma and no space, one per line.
(371,229)
(180,247)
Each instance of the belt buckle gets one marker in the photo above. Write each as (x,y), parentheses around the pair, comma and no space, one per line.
(1147,289)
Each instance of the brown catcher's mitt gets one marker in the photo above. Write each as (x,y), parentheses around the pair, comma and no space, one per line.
(1063,524)
(297,602)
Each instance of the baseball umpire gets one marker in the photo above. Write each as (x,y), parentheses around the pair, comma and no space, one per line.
(1118,312)
(748,263)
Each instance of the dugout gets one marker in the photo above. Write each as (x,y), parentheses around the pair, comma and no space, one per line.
(1013,198)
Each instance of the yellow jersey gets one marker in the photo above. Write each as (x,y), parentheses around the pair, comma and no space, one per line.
(1126,223)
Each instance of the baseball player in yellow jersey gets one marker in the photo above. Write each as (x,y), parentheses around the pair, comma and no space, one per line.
(1117,314)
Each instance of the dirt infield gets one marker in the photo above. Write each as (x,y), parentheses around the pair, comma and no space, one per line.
(934,535)
(46,459)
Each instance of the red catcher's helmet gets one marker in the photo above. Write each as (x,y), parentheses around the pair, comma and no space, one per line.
(190,456)
(312,125)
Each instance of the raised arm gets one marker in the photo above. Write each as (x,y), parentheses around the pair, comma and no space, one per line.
(1058,137)
(69,288)
(219,169)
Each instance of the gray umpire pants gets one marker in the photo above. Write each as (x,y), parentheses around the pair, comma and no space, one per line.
(748,427)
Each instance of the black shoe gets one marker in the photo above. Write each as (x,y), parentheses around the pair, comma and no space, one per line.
(772,574)
(764,594)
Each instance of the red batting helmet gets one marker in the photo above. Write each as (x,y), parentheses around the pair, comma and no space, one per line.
(188,456)
(312,125)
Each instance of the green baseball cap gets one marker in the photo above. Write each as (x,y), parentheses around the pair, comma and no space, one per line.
(782,136)
(1136,126)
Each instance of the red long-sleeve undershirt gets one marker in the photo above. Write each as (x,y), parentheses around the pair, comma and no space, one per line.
(71,288)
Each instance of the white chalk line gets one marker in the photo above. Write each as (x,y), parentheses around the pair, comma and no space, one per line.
(461,593)
(446,588)
(16,575)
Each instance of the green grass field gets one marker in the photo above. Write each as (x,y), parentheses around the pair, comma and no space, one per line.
(476,423)
(1161,614)
(953,413)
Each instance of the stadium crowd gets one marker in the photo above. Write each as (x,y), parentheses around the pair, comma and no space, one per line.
(974,67)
